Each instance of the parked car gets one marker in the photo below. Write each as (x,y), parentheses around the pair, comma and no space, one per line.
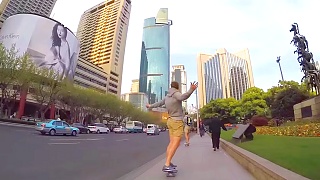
(82,128)
(54,127)
(152,129)
(98,128)
(120,129)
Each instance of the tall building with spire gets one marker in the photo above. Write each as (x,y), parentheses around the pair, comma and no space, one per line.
(155,56)
(223,75)
(102,33)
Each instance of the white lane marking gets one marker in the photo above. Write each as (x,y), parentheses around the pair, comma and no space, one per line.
(77,139)
(122,140)
(63,143)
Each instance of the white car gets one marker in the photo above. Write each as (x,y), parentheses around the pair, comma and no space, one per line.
(152,129)
(99,128)
(120,130)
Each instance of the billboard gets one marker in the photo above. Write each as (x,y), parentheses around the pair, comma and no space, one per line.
(48,43)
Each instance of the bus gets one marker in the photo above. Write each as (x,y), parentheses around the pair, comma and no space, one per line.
(134,126)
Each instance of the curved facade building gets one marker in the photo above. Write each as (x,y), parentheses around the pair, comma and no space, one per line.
(224,75)
(155,57)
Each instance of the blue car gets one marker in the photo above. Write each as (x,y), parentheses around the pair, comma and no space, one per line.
(53,127)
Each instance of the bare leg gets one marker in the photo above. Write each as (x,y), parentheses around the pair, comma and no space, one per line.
(172,148)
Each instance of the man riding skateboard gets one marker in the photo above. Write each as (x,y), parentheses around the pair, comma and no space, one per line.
(187,127)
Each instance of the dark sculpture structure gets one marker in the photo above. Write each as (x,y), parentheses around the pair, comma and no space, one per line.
(305,58)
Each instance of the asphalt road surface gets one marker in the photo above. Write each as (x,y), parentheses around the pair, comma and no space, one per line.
(27,155)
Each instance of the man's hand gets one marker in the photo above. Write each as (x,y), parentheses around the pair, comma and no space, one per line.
(148,106)
(194,85)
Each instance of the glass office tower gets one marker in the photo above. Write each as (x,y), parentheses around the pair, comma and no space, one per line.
(155,57)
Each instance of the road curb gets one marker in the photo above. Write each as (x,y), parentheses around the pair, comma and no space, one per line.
(259,167)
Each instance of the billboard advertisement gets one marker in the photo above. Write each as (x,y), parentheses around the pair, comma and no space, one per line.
(48,43)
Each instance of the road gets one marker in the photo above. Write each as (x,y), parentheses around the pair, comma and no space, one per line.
(25,154)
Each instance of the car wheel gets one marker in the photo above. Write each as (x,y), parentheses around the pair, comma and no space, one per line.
(88,131)
(74,133)
(52,132)
(98,132)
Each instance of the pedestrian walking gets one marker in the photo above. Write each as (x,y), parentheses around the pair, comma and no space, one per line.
(215,125)
(187,127)
(202,129)
(173,103)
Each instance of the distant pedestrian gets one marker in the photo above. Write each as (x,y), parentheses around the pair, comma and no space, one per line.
(215,125)
(202,129)
(187,127)
(173,103)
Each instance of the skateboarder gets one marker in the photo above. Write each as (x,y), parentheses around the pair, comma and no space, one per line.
(173,103)
(187,126)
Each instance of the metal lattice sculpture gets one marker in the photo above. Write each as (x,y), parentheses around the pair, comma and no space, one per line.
(306,61)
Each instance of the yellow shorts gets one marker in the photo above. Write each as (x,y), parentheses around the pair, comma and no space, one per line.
(187,129)
(175,127)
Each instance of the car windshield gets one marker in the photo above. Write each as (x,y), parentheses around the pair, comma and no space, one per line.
(150,126)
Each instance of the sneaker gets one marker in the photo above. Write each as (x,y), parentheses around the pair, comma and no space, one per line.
(172,165)
(168,169)
(214,149)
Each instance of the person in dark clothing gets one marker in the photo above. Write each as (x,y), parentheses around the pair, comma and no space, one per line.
(202,129)
(215,126)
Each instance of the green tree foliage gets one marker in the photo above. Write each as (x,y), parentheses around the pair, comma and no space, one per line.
(253,102)
(45,88)
(14,72)
(226,109)
(283,103)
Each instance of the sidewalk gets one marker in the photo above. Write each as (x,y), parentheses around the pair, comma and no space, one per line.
(198,161)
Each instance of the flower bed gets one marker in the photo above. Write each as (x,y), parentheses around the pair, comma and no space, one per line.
(301,130)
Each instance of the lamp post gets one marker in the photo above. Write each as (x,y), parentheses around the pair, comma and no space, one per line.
(278,61)
(197,108)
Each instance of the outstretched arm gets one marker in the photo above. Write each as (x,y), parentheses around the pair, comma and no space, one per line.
(182,97)
(157,104)
(223,127)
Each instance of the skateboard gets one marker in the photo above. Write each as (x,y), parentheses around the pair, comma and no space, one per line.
(172,173)
(186,144)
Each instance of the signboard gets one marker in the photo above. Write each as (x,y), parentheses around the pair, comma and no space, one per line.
(48,43)
(241,129)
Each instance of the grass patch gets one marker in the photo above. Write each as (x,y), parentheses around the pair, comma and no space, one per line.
(298,154)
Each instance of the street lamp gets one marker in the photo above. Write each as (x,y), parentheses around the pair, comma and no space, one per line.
(278,61)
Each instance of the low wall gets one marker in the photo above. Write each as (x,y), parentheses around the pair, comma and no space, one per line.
(259,167)
(308,109)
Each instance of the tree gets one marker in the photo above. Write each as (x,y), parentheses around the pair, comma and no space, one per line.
(253,102)
(283,88)
(24,74)
(45,88)
(9,64)
(282,106)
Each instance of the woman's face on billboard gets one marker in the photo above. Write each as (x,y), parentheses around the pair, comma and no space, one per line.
(61,32)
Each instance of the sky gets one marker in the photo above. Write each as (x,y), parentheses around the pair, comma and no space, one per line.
(262,26)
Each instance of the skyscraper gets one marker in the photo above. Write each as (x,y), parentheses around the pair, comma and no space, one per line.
(102,32)
(155,56)
(223,75)
(179,75)
(135,86)
(11,7)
